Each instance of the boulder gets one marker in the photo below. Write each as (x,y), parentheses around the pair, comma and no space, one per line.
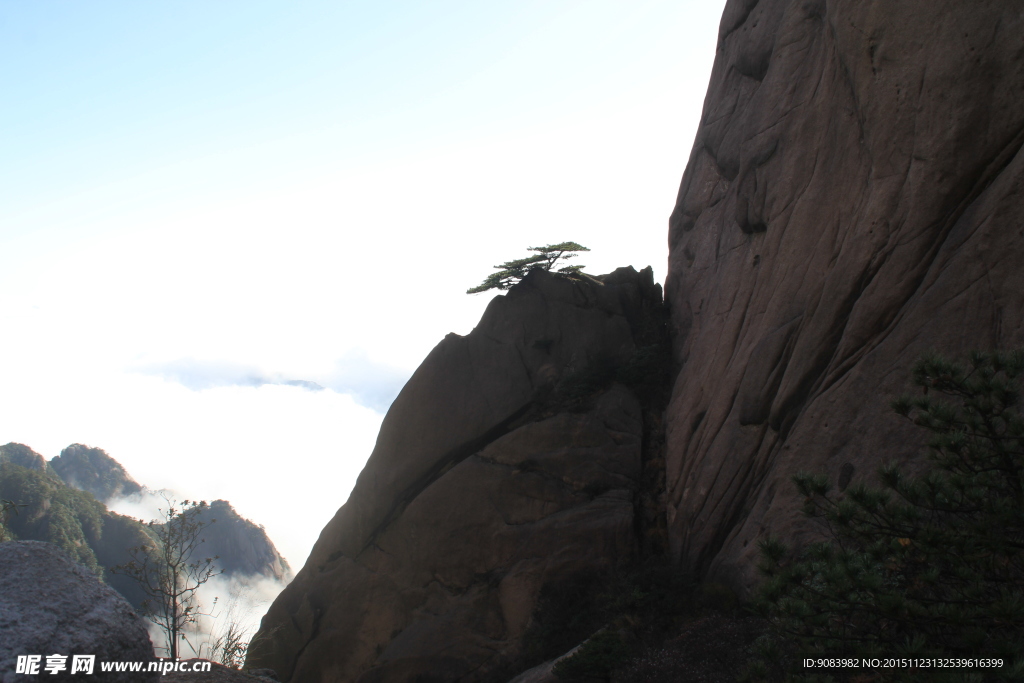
(480,491)
(50,605)
(853,198)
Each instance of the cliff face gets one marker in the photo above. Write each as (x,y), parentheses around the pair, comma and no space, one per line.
(853,198)
(510,461)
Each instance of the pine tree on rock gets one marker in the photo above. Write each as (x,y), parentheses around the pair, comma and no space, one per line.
(545,258)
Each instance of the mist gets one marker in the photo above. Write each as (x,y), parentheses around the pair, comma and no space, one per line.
(224,606)
(370,383)
(228,606)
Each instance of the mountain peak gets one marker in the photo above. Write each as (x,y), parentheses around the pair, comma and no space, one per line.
(23,456)
(91,469)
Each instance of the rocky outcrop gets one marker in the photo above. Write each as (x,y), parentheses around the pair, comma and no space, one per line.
(51,605)
(504,465)
(92,470)
(242,547)
(853,198)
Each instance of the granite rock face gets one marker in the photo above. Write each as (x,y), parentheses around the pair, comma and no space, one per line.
(51,605)
(853,198)
(478,493)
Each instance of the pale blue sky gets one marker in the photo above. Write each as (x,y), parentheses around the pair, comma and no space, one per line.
(304,190)
(207,97)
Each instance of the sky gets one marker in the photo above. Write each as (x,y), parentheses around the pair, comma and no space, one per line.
(230,231)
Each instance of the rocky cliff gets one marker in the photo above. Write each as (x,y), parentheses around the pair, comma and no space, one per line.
(853,198)
(511,460)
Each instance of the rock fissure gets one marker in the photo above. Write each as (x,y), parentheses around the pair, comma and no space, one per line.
(444,464)
(889,322)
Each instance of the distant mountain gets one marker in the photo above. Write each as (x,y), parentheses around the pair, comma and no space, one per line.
(22,455)
(92,470)
(50,510)
(60,502)
(242,547)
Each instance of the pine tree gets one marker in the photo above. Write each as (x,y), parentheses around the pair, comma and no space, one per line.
(511,272)
(926,566)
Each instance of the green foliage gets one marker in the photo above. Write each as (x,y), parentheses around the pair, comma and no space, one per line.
(49,510)
(20,454)
(92,470)
(545,258)
(925,566)
(170,571)
(70,519)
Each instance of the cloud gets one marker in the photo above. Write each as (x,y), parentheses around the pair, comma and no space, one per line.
(223,603)
(370,384)
(144,506)
(197,375)
(233,601)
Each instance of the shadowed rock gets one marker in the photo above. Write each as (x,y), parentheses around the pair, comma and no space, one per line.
(481,490)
